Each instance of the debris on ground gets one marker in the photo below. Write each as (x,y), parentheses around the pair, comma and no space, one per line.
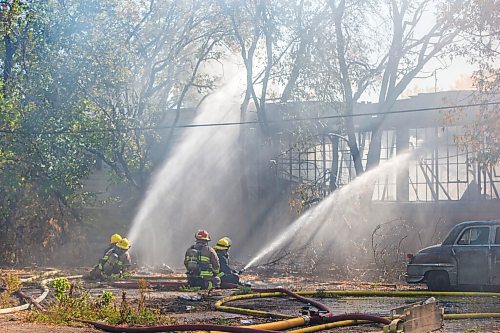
(198,307)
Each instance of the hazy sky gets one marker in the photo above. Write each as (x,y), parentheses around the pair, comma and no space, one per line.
(456,77)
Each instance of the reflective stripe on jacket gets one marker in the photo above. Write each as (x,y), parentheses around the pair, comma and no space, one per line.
(114,261)
(208,262)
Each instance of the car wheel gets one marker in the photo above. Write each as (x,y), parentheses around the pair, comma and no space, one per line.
(438,281)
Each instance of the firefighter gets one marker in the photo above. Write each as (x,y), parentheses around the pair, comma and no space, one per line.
(227,274)
(114,263)
(202,263)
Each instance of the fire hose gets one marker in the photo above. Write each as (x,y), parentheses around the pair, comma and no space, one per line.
(316,304)
(181,327)
(45,291)
(320,321)
(260,328)
(318,318)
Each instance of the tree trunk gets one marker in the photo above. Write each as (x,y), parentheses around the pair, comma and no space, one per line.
(334,170)
(9,55)
(374,149)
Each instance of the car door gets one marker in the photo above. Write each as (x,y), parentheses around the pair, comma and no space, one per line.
(472,252)
(495,258)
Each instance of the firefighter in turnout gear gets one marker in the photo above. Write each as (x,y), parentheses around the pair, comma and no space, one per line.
(114,263)
(227,274)
(202,263)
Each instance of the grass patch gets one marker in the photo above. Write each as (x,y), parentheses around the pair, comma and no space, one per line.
(243,290)
(72,302)
(11,284)
(189,289)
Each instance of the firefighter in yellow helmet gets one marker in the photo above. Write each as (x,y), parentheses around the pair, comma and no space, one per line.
(227,274)
(202,263)
(114,263)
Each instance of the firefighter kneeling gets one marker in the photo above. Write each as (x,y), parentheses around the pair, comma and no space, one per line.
(114,263)
(201,263)
(227,274)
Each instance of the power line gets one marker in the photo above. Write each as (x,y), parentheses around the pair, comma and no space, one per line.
(148,128)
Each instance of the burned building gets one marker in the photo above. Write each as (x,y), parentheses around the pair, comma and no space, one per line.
(444,176)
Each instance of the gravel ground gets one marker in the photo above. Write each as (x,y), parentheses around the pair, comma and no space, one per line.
(199,309)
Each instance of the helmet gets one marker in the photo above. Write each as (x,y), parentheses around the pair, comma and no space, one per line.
(123,244)
(223,244)
(115,239)
(202,235)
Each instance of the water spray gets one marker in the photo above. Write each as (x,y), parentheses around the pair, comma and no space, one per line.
(175,204)
(316,217)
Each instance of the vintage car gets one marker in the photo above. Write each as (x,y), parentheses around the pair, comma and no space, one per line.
(468,258)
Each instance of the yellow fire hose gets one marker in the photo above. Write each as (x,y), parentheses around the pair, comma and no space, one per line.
(282,324)
(327,326)
(219,305)
(301,321)
(289,322)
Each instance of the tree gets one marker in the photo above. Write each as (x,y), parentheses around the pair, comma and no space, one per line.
(40,170)
(135,66)
(479,44)
(411,47)
(89,80)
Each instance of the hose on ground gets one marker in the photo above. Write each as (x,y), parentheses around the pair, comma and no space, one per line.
(267,327)
(220,305)
(477,315)
(408,293)
(175,285)
(349,316)
(39,299)
(320,306)
(326,326)
(319,322)
(179,328)
(345,323)
(330,321)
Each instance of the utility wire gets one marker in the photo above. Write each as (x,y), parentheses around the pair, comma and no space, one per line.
(147,128)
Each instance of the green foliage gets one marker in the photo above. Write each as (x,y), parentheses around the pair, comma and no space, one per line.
(87,82)
(61,286)
(11,283)
(189,289)
(106,298)
(242,290)
(137,316)
(76,78)
(79,304)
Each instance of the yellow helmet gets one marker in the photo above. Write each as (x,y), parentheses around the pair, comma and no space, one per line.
(123,244)
(115,239)
(223,243)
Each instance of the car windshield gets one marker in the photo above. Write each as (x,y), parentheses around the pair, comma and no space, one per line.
(453,234)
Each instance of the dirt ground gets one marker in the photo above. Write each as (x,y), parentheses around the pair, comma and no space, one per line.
(198,307)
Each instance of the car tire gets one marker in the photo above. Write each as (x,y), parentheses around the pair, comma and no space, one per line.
(438,281)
